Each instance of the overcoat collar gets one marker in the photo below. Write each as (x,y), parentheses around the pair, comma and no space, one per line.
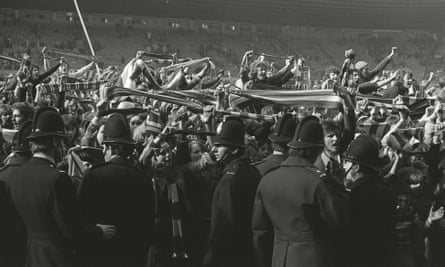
(43,161)
(364,181)
(120,160)
(234,163)
(275,158)
(296,161)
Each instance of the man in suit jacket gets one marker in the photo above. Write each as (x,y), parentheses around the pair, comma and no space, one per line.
(337,137)
(46,201)
(117,193)
(295,208)
(284,132)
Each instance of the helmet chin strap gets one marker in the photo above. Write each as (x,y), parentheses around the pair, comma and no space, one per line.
(347,182)
(227,157)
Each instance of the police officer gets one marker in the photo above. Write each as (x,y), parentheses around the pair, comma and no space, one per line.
(117,193)
(373,206)
(46,201)
(294,206)
(284,132)
(12,231)
(230,238)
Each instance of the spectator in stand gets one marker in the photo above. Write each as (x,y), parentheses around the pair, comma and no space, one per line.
(6,116)
(255,76)
(395,89)
(30,83)
(21,112)
(332,73)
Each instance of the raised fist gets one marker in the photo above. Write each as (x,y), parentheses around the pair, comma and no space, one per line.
(350,53)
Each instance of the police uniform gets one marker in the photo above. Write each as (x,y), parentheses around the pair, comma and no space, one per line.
(230,238)
(294,208)
(373,210)
(12,230)
(284,132)
(268,163)
(46,201)
(117,193)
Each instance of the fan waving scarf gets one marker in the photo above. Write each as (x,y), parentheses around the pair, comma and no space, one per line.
(77,86)
(416,105)
(316,98)
(115,91)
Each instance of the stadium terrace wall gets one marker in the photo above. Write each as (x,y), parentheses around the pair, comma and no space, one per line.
(234,27)
(370,14)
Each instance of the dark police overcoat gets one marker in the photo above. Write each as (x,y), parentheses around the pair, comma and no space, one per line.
(230,238)
(293,209)
(46,201)
(268,163)
(12,231)
(116,193)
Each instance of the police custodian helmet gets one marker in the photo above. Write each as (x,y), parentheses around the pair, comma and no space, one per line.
(284,130)
(363,150)
(309,133)
(232,133)
(117,130)
(47,122)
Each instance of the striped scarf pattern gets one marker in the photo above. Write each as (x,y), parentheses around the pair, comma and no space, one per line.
(46,89)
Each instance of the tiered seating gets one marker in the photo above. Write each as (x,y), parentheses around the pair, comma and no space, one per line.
(321,48)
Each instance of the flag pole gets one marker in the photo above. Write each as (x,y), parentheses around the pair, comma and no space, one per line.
(86,34)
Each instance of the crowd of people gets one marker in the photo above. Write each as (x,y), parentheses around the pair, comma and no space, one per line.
(168,163)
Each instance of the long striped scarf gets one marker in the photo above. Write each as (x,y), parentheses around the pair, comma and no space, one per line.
(315,98)
(415,105)
(379,129)
(46,89)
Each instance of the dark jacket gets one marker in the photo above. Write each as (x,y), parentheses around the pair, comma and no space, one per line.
(116,193)
(268,163)
(46,202)
(12,230)
(369,75)
(371,229)
(33,82)
(279,78)
(293,210)
(230,239)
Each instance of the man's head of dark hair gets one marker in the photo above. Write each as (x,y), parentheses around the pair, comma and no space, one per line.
(330,126)
(25,110)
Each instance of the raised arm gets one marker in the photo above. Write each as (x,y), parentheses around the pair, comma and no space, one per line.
(244,68)
(382,65)
(78,73)
(280,76)
(48,73)
(196,78)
